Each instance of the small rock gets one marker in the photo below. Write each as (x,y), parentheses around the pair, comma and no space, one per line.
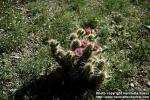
(131,84)
(120,70)
(148,84)
(16,57)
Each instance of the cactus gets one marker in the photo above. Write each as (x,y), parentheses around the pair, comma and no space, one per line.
(80,69)
(75,44)
(82,61)
(73,36)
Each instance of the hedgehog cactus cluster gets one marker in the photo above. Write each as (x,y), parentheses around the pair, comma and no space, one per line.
(82,61)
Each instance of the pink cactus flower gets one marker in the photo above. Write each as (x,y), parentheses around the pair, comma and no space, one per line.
(88,30)
(85,43)
(95,47)
(78,52)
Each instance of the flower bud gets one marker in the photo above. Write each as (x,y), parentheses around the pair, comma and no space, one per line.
(95,47)
(88,30)
(78,52)
(85,43)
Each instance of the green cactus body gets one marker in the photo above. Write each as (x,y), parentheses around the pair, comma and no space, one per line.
(73,36)
(80,32)
(80,64)
(75,44)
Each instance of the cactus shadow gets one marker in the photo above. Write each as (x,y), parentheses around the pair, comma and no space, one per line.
(52,86)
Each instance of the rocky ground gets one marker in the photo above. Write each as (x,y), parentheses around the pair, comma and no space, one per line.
(124,35)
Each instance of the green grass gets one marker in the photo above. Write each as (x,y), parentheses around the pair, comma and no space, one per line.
(38,64)
(24,25)
(13,27)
